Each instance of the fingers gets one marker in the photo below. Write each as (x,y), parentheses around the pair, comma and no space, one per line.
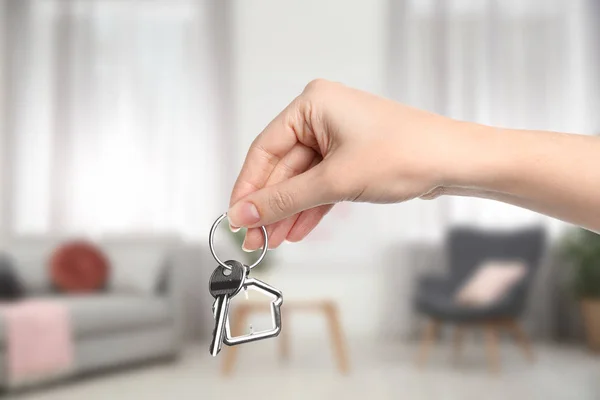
(274,203)
(307,221)
(295,228)
(298,160)
(273,143)
(271,187)
(282,228)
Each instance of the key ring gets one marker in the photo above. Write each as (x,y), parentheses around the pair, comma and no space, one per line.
(211,244)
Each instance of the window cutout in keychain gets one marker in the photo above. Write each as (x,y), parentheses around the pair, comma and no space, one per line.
(267,314)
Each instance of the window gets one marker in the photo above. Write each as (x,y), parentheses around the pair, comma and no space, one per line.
(114,119)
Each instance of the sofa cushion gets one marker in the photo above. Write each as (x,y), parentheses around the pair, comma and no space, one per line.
(137,264)
(103,315)
(98,315)
(31,255)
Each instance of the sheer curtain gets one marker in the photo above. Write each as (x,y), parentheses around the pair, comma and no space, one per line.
(509,63)
(114,124)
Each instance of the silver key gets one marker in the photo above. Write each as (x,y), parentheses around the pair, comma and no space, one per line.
(223,285)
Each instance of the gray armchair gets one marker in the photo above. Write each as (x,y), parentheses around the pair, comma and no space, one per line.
(466,249)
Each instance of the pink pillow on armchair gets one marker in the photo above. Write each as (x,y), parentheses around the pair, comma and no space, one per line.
(490,282)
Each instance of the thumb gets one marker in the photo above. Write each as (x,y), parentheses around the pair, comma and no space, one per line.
(277,202)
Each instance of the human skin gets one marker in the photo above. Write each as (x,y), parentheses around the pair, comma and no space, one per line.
(334,143)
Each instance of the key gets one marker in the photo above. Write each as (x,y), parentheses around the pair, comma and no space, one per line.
(223,285)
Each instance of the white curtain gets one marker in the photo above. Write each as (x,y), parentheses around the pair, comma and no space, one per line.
(114,119)
(512,63)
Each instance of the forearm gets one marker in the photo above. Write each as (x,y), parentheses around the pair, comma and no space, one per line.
(335,143)
(552,173)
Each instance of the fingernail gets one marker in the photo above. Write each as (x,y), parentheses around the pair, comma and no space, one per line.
(232,228)
(244,248)
(243,214)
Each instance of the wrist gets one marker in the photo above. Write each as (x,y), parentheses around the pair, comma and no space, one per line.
(482,158)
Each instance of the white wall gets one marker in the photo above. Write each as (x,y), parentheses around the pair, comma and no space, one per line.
(279,46)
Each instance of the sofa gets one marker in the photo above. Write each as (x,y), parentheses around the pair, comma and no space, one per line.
(137,317)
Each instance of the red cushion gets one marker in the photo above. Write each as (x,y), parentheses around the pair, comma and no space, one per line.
(78,267)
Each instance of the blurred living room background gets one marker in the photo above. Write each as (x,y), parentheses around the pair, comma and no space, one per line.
(123,124)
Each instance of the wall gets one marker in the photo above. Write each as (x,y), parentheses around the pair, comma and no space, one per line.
(278,48)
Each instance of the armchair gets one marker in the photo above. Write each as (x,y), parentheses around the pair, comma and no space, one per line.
(466,249)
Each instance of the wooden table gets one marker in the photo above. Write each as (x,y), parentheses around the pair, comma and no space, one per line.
(328,308)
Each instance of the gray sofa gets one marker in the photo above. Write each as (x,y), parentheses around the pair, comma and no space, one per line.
(122,324)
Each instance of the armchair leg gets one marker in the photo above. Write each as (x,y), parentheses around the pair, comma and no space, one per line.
(459,332)
(491,343)
(427,340)
(522,339)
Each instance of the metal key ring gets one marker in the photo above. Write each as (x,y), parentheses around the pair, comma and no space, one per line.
(211,244)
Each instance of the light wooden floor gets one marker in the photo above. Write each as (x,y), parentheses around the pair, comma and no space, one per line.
(379,371)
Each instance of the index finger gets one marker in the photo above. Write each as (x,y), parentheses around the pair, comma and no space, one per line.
(274,142)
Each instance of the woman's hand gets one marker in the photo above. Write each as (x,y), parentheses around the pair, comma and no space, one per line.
(333,144)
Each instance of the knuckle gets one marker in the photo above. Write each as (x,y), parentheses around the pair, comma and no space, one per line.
(280,202)
(317,86)
(315,101)
(260,151)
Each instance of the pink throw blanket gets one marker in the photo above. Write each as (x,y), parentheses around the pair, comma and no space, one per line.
(38,341)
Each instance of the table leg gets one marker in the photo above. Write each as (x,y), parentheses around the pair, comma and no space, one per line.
(337,338)
(238,319)
(284,339)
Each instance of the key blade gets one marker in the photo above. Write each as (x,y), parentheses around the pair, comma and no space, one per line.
(221,307)
(214,308)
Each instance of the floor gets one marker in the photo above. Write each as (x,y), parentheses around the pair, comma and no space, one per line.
(379,371)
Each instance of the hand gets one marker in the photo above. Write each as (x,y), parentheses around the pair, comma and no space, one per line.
(333,144)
